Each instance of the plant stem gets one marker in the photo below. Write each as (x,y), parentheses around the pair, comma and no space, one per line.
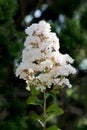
(44,111)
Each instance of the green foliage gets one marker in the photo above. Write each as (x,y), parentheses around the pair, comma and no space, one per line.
(54,109)
(34,91)
(34,100)
(10,106)
(7,10)
(10,126)
(72,37)
(9,42)
(50,110)
(36,117)
(53,128)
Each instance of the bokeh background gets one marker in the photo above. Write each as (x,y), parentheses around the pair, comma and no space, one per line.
(68,19)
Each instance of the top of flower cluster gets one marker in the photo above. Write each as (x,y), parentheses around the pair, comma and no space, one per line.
(42,64)
(38,28)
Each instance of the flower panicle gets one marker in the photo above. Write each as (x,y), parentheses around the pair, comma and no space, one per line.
(42,64)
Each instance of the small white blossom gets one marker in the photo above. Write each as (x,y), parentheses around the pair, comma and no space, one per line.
(40,87)
(66,82)
(30,40)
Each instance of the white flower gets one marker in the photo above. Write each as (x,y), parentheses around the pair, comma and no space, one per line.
(43,25)
(52,39)
(45,65)
(40,87)
(37,29)
(30,30)
(42,64)
(31,40)
(66,82)
(45,79)
(61,59)
(28,54)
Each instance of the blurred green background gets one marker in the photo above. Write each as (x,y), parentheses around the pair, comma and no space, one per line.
(68,18)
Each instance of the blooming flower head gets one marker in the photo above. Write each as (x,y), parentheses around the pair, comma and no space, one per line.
(42,65)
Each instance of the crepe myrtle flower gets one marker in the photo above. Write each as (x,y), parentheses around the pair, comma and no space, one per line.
(42,65)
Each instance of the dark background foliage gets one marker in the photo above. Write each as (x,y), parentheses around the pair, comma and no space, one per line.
(69,20)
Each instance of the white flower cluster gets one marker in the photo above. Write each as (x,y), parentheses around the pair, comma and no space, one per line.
(42,64)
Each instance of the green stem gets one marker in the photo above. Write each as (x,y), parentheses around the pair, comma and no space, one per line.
(44,111)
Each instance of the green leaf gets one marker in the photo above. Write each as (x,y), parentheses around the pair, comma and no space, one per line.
(34,101)
(34,91)
(41,123)
(54,109)
(54,127)
(37,117)
(53,93)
